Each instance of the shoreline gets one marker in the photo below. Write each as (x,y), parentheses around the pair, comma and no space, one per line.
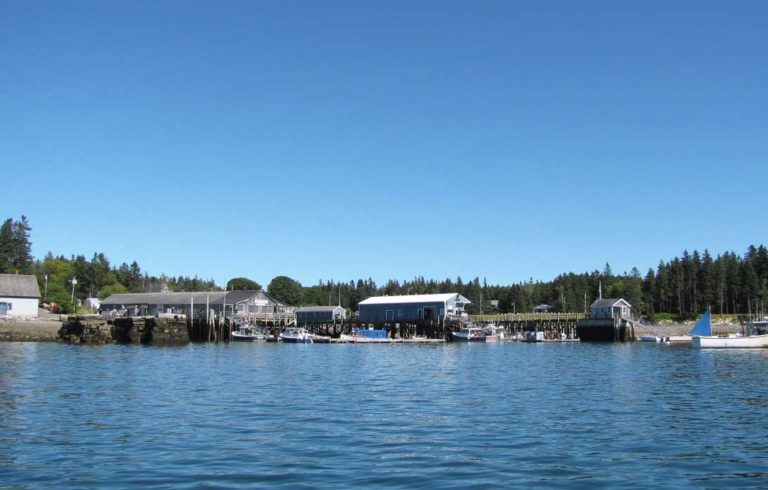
(29,330)
(47,330)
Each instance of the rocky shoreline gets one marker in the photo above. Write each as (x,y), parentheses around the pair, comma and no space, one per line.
(668,329)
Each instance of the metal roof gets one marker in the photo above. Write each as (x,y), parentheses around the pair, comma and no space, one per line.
(606,302)
(184,298)
(414,298)
(318,309)
(19,286)
(212,297)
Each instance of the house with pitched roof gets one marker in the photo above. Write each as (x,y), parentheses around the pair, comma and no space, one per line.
(19,295)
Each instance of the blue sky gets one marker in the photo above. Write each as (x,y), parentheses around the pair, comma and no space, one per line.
(342,140)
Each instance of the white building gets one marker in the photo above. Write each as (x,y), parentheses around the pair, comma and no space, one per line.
(19,295)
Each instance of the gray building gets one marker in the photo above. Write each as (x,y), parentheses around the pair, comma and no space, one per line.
(246,305)
(412,308)
(320,314)
(613,308)
(258,306)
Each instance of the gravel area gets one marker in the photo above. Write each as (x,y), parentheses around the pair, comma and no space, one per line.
(29,330)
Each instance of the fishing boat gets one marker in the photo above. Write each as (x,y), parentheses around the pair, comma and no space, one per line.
(493,333)
(703,338)
(296,335)
(247,333)
(533,336)
(469,334)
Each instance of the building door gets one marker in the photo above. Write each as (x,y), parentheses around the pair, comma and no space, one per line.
(4,307)
(389,315)
(430,313)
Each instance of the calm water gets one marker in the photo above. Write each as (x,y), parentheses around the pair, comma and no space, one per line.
(454,415)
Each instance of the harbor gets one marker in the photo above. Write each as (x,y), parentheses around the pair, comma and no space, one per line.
(249,414)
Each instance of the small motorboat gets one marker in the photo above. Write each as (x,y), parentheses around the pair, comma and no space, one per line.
(296,335)
(248,333)
(469,334)
(319,339)
(650,338)
(494,333)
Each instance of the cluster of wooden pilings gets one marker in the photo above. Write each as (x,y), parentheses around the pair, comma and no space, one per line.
(214,330)
(554,329)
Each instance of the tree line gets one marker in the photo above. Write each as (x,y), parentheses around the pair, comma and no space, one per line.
(683,286)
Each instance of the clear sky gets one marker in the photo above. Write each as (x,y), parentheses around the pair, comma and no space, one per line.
(386,139)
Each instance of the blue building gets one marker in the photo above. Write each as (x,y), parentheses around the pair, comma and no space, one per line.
(319,314)
(412,308)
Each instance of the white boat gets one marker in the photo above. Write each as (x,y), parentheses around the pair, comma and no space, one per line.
(703,338)
(534,337)
(247,333)
(319,339)
(493,333)
(469,334)
(296,335)
(678,339)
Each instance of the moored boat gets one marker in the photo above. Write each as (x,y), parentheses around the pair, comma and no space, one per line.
(703,338)
(247,333)
(319,339)
(469,334)
(493,333)
(296,335)
(650,338)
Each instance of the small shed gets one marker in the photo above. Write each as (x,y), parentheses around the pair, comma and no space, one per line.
(412,308)
(613,308)
(542,308)
(319,314)
(19,295)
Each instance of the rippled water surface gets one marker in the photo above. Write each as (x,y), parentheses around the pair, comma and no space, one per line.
(454,415)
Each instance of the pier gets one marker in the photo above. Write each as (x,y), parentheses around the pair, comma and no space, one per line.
(555,326)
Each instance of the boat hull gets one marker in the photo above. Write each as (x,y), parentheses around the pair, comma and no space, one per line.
(679,339)
(650,338)
(248,338)
(748,342)
(464,338)
(296,340)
